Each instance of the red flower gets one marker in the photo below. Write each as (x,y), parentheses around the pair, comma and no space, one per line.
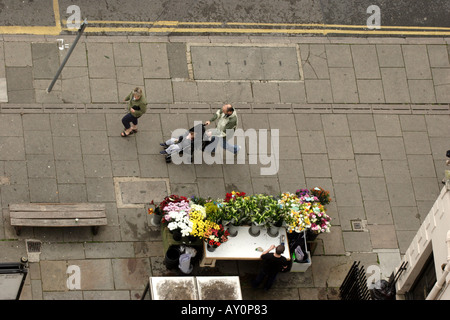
(230,196)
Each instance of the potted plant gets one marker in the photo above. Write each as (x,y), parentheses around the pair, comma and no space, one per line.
(212,212)
(305,195)
(179,225)
(233,211)
(176,218)
(200,224)
(296,218)
(322,195)
(277,216)
(215,236)
(199,200)
(260,213)
(156,212)
(320,221)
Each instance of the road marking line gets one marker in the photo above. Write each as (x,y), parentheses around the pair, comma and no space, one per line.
(35,30)
(320,25)
(56,13)
(158,23)
(91,29)
(175,27)
(330,25)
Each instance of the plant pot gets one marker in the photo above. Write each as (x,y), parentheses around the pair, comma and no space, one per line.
(255,229)
(210,248)
(176,234)
(156,220)
(273,231)
(311,235)
(232,229)
(172,257)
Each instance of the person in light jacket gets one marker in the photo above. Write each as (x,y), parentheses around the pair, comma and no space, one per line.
(137,106)
(227,119)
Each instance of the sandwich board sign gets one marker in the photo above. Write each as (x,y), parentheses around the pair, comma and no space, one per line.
(12,278)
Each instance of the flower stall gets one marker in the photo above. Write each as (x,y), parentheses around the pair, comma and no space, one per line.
(239,225)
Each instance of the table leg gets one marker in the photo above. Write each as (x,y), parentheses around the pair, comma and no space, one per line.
(207,262)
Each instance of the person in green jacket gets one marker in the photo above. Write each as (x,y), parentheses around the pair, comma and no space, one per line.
(137,106)
(227,120)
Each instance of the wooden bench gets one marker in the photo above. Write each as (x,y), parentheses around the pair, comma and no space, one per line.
(57,215)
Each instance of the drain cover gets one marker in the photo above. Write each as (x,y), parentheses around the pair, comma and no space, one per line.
(33,250)
(33,246)
(358,225)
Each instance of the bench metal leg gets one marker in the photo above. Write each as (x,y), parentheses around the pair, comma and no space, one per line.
(95,230)
(18,230)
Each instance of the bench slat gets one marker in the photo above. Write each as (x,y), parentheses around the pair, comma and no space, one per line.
(38,207)
(59,222)
(57,214)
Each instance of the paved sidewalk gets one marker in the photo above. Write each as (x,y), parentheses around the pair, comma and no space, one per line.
(366,119)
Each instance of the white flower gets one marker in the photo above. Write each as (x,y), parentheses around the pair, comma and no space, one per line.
(172,226)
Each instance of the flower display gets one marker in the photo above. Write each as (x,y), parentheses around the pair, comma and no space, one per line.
(205,218)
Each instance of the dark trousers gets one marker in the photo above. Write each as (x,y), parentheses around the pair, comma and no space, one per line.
(260,278)
(129,118)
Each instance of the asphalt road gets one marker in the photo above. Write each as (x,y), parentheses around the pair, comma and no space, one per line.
(413,13)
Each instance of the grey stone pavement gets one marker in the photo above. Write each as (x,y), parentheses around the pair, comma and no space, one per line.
(366,118)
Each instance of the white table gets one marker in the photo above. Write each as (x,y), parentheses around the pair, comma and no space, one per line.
(243,247)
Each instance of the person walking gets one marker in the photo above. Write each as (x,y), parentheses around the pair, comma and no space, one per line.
(137,106)
(227,119)
(272,264)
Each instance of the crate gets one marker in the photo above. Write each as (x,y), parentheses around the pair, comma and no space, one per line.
(302,266)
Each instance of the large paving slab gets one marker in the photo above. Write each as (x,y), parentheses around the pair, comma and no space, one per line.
(245,63)
(137,191)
